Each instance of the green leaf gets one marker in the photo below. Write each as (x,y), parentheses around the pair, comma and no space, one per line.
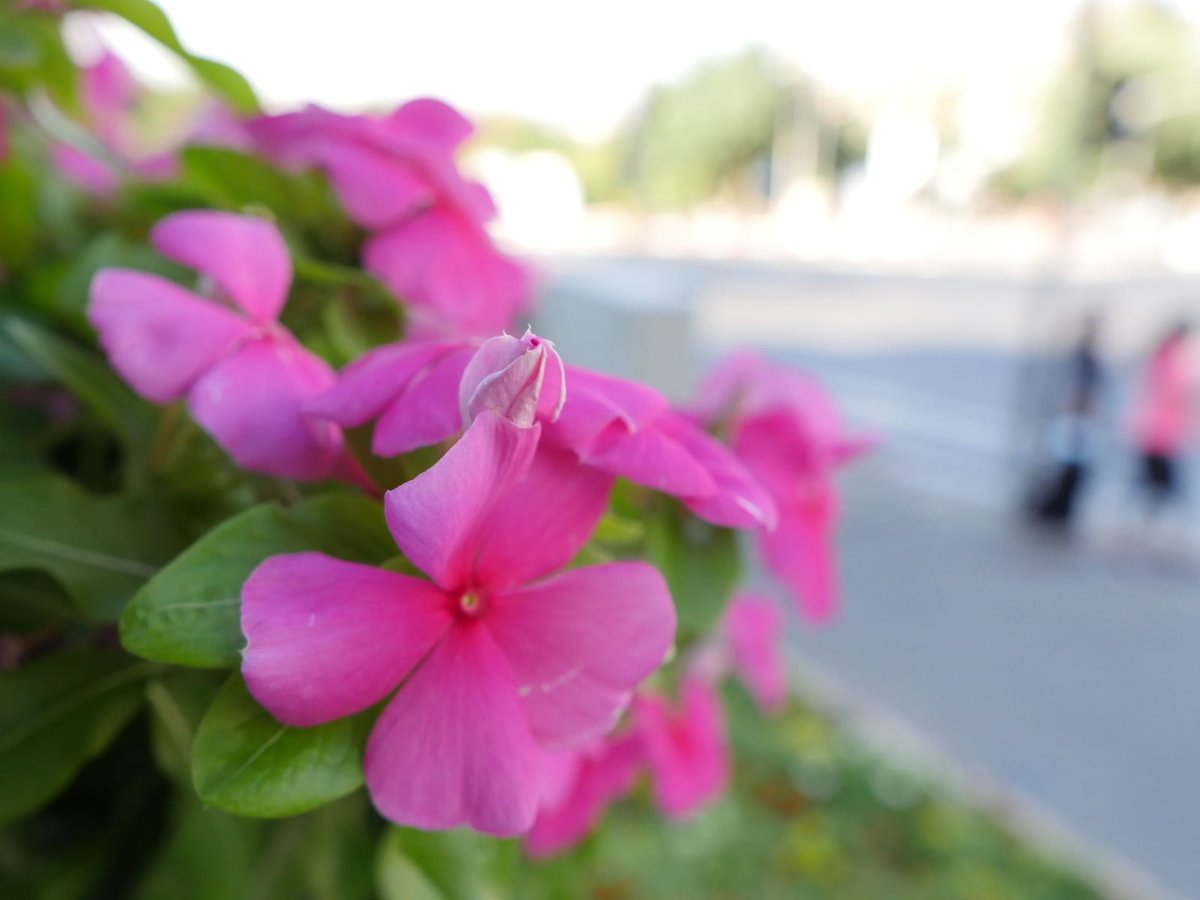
(178,702)
(149,18)
(18,225)
(20,49)
(88,377)
(247,763)
(235,180)
(190,612)
(699,561)
(207,856)
(453,865)
(100,548)
(30,600)
(55,715)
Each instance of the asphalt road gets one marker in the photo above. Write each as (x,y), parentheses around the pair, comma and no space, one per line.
(1069,672)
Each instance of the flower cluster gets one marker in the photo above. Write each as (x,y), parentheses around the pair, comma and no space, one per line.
(395,176)
(515,689)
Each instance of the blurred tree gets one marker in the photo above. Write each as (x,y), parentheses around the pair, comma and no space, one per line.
(693,139)
(1133,79)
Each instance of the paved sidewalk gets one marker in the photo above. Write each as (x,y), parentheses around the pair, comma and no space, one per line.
(1068,673)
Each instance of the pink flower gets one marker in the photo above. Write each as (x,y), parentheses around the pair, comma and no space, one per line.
(395,175)
(494,660)
(753,626)
(685,747)
(578,786)
(789,434)
(442,262)
(612,424)
(507,375)
(108,96)
(243,374)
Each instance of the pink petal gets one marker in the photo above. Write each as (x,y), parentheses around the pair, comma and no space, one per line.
(427,412)
(432,121)
(725,391)
(738,499)
(654,459)
(108,92)
(753,627)
(686,749)
(157,335)
(299,139)
(601,775)
(799,552)
(435,517)
(328,638)
(366,386)
(597,401)
(375,188)
(452,748)
(539,524)
(83,170)
(251,404)
(580,642)
(476,200)
(445,267)
(244,255)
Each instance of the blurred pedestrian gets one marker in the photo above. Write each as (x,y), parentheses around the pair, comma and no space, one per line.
(1071,433)
(1163,419)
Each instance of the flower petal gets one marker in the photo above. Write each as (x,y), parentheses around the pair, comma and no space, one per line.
(601,775)
(687,750)
(244,255)
(431,121)
(799,552)
(94,175)
(452,747)
(251,404)
(581,642)
(157,335)
(739,500)
(652,458)
(375,188)
(435,517)
(328,638)
(445,267)
(366,386)
(542,521)
(753,627)
(427,412)
(596,401)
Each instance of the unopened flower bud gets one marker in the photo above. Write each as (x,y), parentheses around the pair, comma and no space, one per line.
(515,378)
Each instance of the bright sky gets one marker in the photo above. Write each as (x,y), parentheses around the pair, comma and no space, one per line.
(582,66)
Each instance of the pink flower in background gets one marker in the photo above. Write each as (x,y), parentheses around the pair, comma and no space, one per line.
(494,660)
(788,432)
(243,374)
(685,746)
(445,264)
(578,786)
(395,175)
(108,93)
(753,628)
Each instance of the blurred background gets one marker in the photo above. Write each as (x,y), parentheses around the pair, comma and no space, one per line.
(974,222)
